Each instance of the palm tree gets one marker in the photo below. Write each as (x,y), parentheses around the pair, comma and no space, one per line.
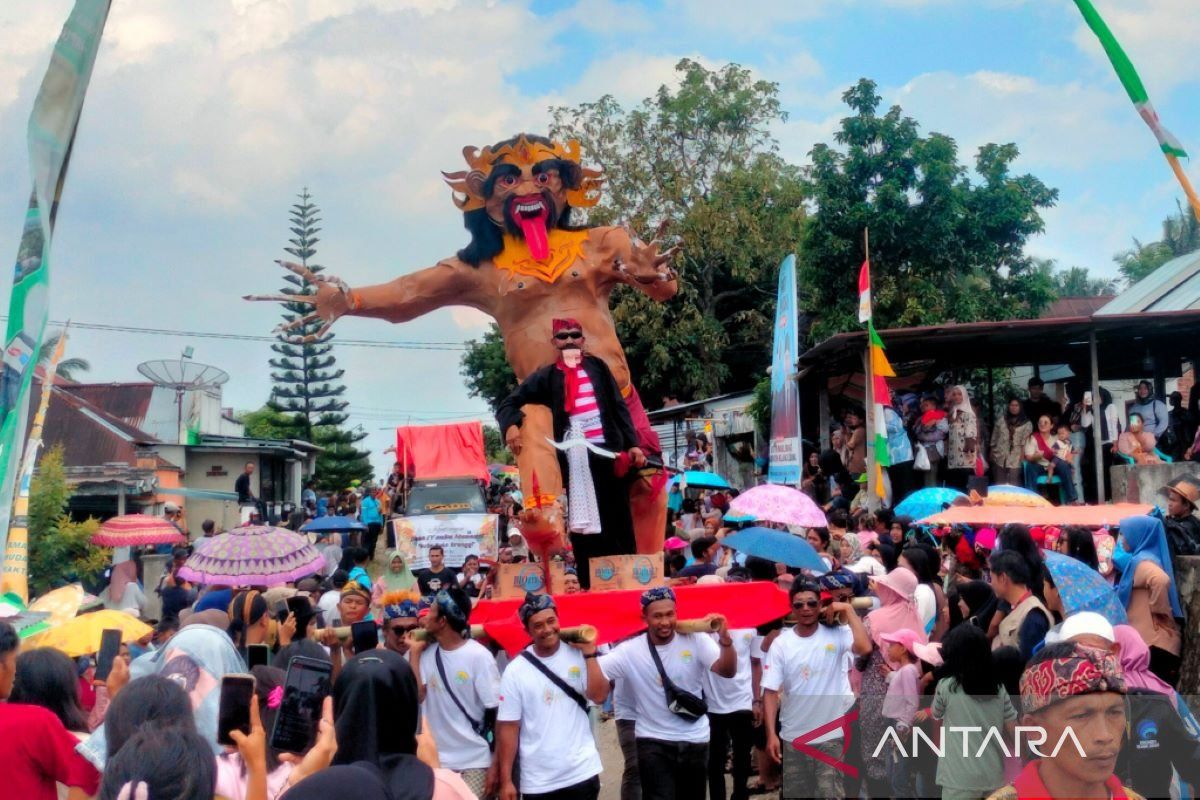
(67,367)
(1181,235)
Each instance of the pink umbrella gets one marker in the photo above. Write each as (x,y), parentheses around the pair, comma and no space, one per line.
(783,504)
(134,530)
(252,555)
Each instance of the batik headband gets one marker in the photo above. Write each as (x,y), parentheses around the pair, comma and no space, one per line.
(839,579)
(405,608)
(353,587)
(449,609)
(657,593)
(1085,671)
(534,604)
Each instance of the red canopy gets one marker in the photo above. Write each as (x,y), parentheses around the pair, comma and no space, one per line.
(995,516)
(617,615)
(455,450)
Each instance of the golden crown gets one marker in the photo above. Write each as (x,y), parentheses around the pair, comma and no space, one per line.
(467,184)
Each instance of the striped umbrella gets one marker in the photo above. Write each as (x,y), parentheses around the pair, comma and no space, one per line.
(135,530)
(252,555)
(1003,494)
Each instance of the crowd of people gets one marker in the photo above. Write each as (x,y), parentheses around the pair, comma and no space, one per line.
(907,632)
(942,437)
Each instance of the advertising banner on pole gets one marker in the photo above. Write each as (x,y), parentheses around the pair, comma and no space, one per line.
(785,450)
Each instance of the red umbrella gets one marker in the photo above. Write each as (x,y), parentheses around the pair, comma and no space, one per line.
(133,530)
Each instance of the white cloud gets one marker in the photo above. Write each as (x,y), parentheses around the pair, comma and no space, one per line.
(1159,36)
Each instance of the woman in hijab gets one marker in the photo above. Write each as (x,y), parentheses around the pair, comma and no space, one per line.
(977,602)
(1138,444)
(898,611)
(375,709)
(196,659)
(123,592)
(1147,590)
(962,446)
(396,578)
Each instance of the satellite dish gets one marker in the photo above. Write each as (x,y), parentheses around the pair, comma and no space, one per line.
(182,375)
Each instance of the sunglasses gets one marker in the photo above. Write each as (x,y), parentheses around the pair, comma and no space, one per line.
(565,335)
(401,630)
(806,604)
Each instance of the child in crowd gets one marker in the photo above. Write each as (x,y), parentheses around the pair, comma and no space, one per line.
(1061,445)
(970,695)
(904,651)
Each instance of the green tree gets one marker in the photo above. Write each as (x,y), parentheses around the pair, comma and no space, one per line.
(60,551)
(494,448)
(1078,282)
(307,381)
(485,368)
(943,246)
(760,406)
(269,423)
(701,159)
(1181,235)
(68,368)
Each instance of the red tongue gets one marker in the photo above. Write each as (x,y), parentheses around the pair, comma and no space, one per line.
(534,230)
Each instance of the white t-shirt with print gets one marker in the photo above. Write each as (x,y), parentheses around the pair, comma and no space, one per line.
(685,659)
(810,672)
(726,695)
(557,749)
(475,681)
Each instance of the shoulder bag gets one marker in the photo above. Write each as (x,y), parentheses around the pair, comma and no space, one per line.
(680,702)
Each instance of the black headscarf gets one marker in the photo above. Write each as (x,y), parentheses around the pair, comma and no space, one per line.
(981,602)
(375,709)
(361,781)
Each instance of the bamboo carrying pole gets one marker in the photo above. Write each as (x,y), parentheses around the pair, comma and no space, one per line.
(585,634)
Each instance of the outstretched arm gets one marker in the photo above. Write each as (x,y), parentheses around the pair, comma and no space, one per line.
(645,267)
(449,282)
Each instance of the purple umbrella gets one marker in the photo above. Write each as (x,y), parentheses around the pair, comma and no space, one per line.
(257,555)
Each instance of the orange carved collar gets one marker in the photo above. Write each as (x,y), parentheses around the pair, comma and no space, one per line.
(566,247)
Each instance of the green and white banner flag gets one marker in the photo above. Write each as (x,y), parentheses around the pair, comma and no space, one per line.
(52,126)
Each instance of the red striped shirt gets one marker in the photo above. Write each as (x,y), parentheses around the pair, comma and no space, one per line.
(585,403)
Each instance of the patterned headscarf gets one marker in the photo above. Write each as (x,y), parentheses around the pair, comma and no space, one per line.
(397,605)
(534,603)
(1085,670)
(449,608)
(657,593)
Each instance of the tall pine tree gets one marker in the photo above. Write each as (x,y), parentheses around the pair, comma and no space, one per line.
(307,380)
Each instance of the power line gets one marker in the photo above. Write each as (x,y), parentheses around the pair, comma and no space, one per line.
(247,337)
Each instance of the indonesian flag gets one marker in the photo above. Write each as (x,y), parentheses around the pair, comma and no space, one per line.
(864,292)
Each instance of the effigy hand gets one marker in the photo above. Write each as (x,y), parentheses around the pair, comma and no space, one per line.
(332,299)
(647,263)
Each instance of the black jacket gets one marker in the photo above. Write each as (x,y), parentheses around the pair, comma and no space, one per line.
(1157,740)
(547,387)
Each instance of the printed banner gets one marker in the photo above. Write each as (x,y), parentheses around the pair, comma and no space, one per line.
(785,449)
(613,573)
(52,126)
(514,580)
(460,535)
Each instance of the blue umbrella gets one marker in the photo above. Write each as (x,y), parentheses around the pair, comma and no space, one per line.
(332,524)
(732,516)
(779,546)
(1083,589)
(923,502)
(697,479)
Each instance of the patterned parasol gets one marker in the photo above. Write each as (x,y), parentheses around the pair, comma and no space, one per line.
(924,502)
(135,530)
(1003,494)
(774,503)
(252,555)
(1083,589)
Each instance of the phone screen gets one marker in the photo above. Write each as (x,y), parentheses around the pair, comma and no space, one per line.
(234,713)
(306,686)
(301,609)
(258,655)
(365,636)
(110,646)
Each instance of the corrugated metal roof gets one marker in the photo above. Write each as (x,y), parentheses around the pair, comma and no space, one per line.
(1175,286)
(1075,306)
(89,435)
(128,401)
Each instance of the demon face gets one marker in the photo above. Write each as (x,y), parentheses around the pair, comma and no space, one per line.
(526,200)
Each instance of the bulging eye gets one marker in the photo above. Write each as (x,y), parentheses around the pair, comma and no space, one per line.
(508,180)
(543,178)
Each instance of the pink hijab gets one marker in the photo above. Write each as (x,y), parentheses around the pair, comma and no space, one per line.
(898,612)
(123,574)
(1135,661)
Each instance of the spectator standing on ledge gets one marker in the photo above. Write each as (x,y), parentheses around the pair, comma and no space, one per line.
(1153,411)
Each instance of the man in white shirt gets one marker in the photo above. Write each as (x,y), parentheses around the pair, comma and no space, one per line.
(672,746)
(807,664)
(460,690)
(730,714)
(547,715)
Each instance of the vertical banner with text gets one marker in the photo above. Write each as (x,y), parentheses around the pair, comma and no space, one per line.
(52,126)
(785,450)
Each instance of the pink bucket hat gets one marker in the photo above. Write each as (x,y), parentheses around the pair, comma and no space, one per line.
(674,543)
(929,653)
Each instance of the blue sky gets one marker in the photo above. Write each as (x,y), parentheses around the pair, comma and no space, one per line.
(204,120)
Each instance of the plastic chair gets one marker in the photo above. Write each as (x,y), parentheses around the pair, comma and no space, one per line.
(1045,483)
(1166,459)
